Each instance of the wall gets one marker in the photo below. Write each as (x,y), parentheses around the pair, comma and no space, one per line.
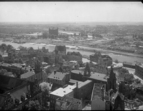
(84,92)
(139,71)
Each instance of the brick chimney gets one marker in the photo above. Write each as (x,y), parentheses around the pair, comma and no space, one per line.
(76,84)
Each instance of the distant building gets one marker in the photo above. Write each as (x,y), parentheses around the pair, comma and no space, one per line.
(139,71)
(74,56)
(60,50)
(53,33)
(105,60)
(59,78)
(100,69)
(95,56)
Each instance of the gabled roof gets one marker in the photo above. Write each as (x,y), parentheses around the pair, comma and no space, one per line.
(27,75)
(58,75)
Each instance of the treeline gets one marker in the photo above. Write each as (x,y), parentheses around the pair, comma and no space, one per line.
(19,30)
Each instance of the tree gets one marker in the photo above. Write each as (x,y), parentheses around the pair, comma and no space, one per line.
(22,48)
(3,47)
(34,105)
(10,48)
(3,71)
(45,88)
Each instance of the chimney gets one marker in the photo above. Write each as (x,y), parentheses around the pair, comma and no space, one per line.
(76,84)
(54,72)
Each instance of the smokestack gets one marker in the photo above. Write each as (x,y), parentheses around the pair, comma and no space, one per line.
(54,72)
(76,84)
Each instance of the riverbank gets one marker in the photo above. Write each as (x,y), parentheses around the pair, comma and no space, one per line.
(89,51)
(108,51)
(83,47)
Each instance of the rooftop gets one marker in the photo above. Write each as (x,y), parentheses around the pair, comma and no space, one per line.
(63,91)
(27,75)
(77,72)
(84,83)
(96,92)
(57,75)
(98,76)
(74,81)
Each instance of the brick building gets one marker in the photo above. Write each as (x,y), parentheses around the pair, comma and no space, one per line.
(84,90)
(105,60)
(95,56)
(60,50)
(100,69)
(77,75)
(74,56)
(59,78)
(139,70)
(60,93)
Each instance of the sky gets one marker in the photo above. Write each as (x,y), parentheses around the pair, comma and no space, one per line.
(71,12)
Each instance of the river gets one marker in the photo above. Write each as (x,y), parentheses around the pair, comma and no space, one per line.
(119,57)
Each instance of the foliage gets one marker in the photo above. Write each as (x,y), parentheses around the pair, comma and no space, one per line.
(44,86)
(34,105)
(129,78)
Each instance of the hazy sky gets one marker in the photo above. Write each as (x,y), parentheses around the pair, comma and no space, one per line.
(71,12)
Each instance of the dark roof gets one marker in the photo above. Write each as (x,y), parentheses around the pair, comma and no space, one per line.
(61,48)
(74,81)
(8,83)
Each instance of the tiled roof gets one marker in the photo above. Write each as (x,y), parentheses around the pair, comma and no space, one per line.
(57,75)
(27,75)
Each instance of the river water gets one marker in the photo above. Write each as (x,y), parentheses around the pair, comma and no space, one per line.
(120,58)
